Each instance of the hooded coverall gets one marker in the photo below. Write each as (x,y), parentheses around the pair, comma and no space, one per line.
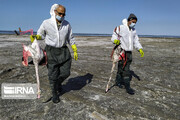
(58,55)
(128,38)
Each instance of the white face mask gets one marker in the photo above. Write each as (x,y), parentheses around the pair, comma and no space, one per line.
(60,19)
(132,25)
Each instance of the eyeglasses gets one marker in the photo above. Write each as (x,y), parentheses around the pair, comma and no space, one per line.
(63,14)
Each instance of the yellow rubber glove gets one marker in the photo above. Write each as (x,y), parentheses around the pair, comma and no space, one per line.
(117,42)
(38,37)
(141,52)
(75,51)
(32,37)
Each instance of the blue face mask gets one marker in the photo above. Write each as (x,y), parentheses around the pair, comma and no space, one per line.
(132,25)
(60,19)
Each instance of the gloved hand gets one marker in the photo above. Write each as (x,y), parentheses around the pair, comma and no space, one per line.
(141,52)
(117,42)
(75,51)
(32,37)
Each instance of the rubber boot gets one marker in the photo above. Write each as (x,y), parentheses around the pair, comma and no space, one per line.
(129,90)
(59,87)
(55,97)
(119,81)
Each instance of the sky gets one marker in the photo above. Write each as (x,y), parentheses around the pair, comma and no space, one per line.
(155,17)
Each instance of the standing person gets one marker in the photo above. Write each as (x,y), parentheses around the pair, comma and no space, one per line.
(125,36)
(57,33)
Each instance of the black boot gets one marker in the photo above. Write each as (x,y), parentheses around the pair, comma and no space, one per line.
(129,89)
(59,89)
(55,97)
(119,81)
(127,86)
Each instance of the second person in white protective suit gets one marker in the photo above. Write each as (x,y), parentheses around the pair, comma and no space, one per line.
(125,36)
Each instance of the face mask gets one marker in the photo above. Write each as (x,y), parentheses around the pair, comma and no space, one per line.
(60,19)
(132,25)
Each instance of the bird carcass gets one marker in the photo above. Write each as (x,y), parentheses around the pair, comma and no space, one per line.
(37,55)
(117,54)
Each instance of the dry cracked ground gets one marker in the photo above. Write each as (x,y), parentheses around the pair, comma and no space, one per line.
(155,78)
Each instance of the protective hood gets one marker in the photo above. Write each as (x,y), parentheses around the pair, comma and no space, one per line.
(124,22)
(53,7)
(53,18)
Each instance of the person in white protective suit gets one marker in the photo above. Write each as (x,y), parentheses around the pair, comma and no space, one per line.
(57,33)
(125,36)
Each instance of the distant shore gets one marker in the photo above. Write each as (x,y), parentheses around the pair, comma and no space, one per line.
(3,32)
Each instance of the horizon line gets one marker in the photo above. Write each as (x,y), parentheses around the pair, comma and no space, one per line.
(103,34)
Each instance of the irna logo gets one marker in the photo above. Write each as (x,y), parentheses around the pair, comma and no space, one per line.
(18,91)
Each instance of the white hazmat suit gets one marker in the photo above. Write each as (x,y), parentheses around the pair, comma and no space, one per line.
(53,36)
(128,38)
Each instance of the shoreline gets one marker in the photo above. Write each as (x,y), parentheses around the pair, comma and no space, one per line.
(99,36)
(103,35)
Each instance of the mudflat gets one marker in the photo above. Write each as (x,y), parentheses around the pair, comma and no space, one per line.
(155,78)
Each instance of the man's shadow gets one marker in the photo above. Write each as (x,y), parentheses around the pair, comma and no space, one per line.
(132,74)
(76,83)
